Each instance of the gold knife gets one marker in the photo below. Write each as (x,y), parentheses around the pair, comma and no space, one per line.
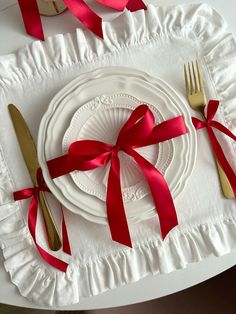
(29,153)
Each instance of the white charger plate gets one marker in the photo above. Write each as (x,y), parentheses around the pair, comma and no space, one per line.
(101,119)
(83,89)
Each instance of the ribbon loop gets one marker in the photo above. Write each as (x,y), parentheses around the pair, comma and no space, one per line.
(198,124)
(89,154)
(137,128)
(24,194)
(211,110)
(175,126)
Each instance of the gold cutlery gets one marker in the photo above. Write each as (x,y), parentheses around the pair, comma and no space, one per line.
(29,153)
(197,99)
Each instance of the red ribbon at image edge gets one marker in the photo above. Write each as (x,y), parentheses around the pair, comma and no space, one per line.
(33,25)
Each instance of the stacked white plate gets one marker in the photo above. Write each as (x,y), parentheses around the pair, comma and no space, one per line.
(95,106)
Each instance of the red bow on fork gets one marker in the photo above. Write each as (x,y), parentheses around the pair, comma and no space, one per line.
(211,124)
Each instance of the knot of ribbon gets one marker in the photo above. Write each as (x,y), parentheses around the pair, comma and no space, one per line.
(138,131)
(32,222)
(211,124)
(33,24)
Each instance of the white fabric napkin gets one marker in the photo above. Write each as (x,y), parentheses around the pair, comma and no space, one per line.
(158,41)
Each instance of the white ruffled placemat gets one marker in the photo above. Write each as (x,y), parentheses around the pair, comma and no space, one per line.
(158,41)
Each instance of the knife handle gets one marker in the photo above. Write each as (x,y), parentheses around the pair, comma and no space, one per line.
(225,185)
(52,233)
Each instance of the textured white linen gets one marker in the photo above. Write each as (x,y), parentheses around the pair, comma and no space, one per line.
(157,41)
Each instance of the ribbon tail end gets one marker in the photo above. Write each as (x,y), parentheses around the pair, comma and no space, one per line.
(126,242)
(99,32)
(36,35)
(136,5)
(41,38)
(167,229)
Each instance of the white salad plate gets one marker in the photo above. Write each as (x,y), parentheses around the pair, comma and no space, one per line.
(101,119)
(90,88)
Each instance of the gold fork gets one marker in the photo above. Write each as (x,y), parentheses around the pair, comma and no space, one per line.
(197,100)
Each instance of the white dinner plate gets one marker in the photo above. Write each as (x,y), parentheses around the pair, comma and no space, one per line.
(103,82)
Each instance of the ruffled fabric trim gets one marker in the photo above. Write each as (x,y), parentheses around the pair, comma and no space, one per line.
(33,277)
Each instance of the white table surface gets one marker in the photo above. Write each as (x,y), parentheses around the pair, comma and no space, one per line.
(13,37)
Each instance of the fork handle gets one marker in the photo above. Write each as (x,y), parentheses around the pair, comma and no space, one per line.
(225,185)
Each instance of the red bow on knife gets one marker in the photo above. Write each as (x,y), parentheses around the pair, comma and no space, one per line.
(79,9)
(138,131)
(32,222)
(211,124)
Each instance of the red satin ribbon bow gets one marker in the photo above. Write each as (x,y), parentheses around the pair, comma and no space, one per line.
(209,124)
(138,131)
(32,221)
(33,24)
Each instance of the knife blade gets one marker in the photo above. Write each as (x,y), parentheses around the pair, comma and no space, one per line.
(29,153)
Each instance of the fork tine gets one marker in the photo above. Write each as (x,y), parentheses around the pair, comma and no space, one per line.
(190,79)
(199,77)
(195,78)
(186,80)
